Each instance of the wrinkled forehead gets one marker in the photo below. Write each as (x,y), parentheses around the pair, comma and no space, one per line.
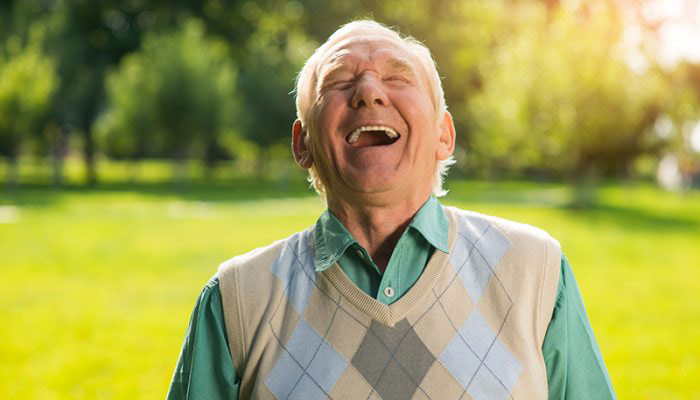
(366,46)
(358,49)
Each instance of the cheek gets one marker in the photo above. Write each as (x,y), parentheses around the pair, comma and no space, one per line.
(416,108)
(325,121)
(421,116)
(319,125)
(329,109)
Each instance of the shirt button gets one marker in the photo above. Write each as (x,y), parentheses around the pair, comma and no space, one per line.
(389,291)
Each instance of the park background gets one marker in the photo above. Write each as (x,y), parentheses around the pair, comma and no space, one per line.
(143,142)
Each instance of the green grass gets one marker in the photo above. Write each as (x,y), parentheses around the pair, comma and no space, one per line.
(97,284)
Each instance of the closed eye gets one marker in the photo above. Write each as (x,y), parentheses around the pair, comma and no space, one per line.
(397,79)
(341,85)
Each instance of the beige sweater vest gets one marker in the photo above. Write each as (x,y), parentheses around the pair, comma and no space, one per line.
(471,327)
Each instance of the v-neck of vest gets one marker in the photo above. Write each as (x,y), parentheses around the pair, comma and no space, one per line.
(390,314)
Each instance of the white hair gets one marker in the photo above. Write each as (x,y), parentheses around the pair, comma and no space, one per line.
(307,91)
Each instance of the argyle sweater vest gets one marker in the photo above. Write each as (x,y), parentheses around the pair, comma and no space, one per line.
(471,327)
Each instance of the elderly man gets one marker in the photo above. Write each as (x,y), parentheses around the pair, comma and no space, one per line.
(390,295)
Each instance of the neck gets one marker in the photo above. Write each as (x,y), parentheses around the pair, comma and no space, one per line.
(377,226)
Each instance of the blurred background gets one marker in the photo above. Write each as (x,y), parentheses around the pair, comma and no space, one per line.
(142,142)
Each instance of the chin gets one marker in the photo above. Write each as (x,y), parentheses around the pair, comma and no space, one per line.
(374,185)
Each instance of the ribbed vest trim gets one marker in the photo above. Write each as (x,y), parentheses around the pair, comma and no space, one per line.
(550,283)
(228,283)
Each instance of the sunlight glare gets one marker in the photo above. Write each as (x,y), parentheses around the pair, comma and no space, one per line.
(679,32)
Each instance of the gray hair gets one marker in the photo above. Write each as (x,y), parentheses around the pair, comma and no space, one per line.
(307,90)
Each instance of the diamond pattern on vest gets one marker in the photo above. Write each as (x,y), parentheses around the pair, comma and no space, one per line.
(393,361)
(300,279)
(475,356)
(308,366)
(479,361)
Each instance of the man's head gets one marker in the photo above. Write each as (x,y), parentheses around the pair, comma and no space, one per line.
(371,115)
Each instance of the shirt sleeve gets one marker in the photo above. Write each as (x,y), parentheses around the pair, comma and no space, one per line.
(204,369)
(575,367)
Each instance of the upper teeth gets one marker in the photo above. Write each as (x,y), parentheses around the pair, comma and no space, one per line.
(387,131)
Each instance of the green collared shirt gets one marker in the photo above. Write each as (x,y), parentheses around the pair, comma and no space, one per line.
(426,232)
(575,367)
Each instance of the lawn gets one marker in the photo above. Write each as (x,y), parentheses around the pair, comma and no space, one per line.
(98,283)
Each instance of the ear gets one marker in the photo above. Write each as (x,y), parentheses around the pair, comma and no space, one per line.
(300,147)
(446,140)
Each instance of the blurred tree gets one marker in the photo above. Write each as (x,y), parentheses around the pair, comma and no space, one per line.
(27,81)
(16,17)
(261,36)
(535,86)
(175,96)
(20,23)
(127,129)
(681,123)
(559,98)
(275,52)
(86,38)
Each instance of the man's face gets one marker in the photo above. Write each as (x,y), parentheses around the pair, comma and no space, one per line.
(374,126)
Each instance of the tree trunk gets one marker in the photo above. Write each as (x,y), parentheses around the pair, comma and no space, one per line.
(584,188)
(261,162)
(179,170)
(58,155)
(208,172)
(12,178)
(133,167)
(211,156)
(89,156)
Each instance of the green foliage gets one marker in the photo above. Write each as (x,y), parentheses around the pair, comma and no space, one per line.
(273,53)
(682,117)
(27,81)
(127,129)
(86,38)
(175,96)
(558,97)
(535,87)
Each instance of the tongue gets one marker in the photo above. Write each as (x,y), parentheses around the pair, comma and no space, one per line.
(373,138)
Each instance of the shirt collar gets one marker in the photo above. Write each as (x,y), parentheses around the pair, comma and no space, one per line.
(331,239)
(431,222)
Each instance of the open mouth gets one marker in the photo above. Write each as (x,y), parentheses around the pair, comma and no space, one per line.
(372,135)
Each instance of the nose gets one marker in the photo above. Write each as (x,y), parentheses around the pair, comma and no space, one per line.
(369,93)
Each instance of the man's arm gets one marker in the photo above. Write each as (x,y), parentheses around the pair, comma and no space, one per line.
(204,369)
(575,367)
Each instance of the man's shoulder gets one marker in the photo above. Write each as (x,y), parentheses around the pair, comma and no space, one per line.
(476,224)
(264,256)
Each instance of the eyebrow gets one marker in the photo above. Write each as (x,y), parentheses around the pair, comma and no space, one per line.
(399,66)
(329,74)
